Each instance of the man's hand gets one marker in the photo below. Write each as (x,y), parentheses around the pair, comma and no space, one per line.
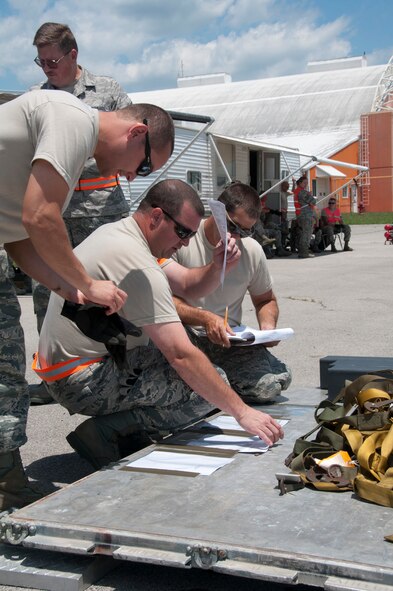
(107,294)
(261,424)
(216,331)
(233,254)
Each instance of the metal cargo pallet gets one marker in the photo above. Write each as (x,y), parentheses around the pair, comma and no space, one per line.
(233,521)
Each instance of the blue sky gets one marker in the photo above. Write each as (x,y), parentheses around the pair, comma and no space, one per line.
(146,44)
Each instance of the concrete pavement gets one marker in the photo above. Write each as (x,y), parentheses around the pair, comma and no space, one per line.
(338,304)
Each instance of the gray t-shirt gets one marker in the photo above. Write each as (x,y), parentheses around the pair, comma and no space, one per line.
(46,125)
(250,274)
(120,253)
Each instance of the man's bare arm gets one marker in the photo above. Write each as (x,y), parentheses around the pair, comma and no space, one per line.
(197,282)
(266,310)
(197,371)
(41,215)
(26,257)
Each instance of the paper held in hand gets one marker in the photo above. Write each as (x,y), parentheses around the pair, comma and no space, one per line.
(245,335)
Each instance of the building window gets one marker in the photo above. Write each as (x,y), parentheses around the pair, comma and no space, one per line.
(194,178)
(271,166)
(345,192)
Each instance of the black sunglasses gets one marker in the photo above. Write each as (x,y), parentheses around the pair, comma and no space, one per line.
(180,230)
(145,167)
(50,63)
(234,228)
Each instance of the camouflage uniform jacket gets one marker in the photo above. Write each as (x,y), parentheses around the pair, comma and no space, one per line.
(105,94)
(306,201)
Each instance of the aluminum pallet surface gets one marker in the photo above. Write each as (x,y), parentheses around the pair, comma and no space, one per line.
(233,521)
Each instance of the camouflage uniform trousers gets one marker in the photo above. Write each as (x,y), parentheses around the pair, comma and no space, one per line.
(78,229)
(157,397)
(316,241)
(14,394)
(6,263)
(281,225)
(276,234)
(305,224)
(329,231)
(253,372)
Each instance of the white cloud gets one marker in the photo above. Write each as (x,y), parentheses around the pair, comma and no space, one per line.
(381,56)
(247,12)
(265,50)
(144,43)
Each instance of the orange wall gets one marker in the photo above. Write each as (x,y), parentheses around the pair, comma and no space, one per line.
(380,131)
(380,159)
(348,154)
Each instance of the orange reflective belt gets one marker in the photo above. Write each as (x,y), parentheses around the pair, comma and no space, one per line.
(101,182)
(62,370)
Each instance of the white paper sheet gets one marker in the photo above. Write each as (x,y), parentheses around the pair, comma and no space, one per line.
(242,444)
(246,335)
(228,423)
(220,217)
(165,460)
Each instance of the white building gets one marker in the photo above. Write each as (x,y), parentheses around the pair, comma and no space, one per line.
(261,127)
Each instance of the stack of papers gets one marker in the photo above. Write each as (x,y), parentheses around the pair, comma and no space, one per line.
(222,432)
(244,335)
(245,444)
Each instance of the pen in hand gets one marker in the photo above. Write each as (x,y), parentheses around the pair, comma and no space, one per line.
(226,317)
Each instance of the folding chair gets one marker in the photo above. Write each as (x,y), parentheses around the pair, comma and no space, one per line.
(338,234)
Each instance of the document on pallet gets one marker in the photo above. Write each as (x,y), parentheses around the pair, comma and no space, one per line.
(242,443)
(245,335)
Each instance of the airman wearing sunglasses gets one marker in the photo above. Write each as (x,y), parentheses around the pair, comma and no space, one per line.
(96,200)
(45,139)
(168,382)
(256,374)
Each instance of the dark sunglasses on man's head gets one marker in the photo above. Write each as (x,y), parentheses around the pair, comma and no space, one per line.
(145,167)
(182,232)
(50,63)
(234,228)
(332,203)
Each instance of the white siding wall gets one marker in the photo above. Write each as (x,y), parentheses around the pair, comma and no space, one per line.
(242,164)
(196,158)
(291,161)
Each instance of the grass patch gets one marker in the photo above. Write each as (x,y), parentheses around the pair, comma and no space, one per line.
(368,218)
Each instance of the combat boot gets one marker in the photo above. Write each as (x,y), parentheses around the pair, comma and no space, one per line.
(39,394)
(15,489)
(306,255)
(281,252)
(108,438)
(347,248)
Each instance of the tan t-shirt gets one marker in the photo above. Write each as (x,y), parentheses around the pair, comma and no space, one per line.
(251,274)
(118,252)
(43,124)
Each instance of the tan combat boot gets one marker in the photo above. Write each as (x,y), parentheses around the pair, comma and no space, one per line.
(15,489)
